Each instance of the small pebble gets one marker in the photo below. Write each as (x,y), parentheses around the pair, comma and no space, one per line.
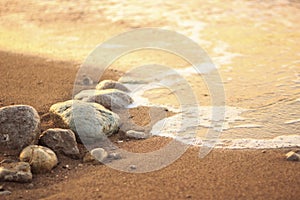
(30,186)
(66,167)
(5,192)
(132,167)
(114,156)
(80,165)
(292,156)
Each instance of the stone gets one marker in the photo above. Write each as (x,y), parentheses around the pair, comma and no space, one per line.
(89,121)
(292,156)
(16,172)
(5,192)
(41,159)
(97,155)
(87,80)
(114,156)
(136,135)
(19,126)
(133,167)
(109,98)
(110,84)
(61,141)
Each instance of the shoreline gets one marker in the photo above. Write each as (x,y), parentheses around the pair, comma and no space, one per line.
(223,173)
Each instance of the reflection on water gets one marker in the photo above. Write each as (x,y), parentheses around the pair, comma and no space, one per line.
(254,44)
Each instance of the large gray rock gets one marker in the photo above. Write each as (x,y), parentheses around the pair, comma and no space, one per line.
(61,141)
(41,159)
(110,98)
(19,126)
(16,172)
(110,84)
(89,121)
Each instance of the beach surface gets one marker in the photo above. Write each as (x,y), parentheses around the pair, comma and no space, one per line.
(42,50)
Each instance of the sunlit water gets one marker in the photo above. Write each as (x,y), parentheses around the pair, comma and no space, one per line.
(254,45)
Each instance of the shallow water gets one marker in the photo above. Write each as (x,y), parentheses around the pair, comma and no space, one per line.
(255,46)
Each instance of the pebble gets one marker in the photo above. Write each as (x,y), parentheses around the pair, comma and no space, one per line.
(97,155)
(133,167)
(61,141)
(3,191)
(114,156)
(136,134)
(292,156)
(66,167)
(110,84)
(41,159)
(16,172)
(30,186)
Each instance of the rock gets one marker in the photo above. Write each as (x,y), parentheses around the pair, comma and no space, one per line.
(110,84)
(41,159)
(133,167)
(30,186)
(114,156)
(19,126)
(292,156)
(136,134)
(87,80)
(61,141)
(5,192)
(89,121)
(66,167)
(110,98)
(16,172)
(97,155)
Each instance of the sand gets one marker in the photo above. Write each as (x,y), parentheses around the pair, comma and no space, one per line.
(44,43)
(223,174)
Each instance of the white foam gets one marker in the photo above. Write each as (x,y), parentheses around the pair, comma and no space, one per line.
(248,126)
(293,121)
(283,141)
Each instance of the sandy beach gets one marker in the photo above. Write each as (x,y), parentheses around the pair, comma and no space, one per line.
(40,58)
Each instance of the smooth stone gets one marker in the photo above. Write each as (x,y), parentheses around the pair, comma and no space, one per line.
(89,121)
(114,156)
(97,155)
(136,134)
(41,159)
(16,172)
(133,167)
(61,141)
(110,84)
(109,98)
(5,192)
(87,80)
(19,126)
(292,156)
